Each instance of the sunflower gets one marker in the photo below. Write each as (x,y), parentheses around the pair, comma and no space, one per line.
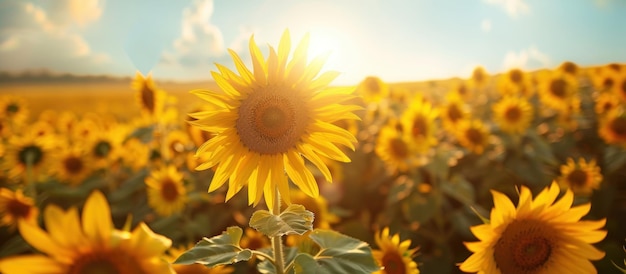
(176,142)
(151,99)
(394,256)
(473,135)
(270,119)
(539,236)
(605,102)
(136,154)
(569,68)
(619,88)
(15,206)
(613,127)
(515,82)
(174,253)
(604,78)
(105,148)
(479,77)
(89,244)
(513,114)
(27,150)
(254,240)
(372,89)
(418,121)
(452,111)
(41,129)
(71,164)
(559,91)
(197,135)
(166,192)
(13,109)
(396,149)
(582,177)
(463,91)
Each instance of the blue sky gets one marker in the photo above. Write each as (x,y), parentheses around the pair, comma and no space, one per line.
(396,40)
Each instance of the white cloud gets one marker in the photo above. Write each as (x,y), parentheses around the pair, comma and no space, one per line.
(512,7)
(32,38)
(199,40)
(485,25)
(526,58)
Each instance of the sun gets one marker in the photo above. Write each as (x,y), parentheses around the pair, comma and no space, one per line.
(326,41)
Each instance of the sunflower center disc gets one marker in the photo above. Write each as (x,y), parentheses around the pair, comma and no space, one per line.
(73,165)
(618,126)
(608,83)
(13,108)
(513,114)
(102,149)
(147,98)
(454,113)
(474,136)
(393,263)
(557,87)
(105,263)
(30,153)
(577,178)
(169,191)
(398,147)
(516,76)
(271,121)
(419,127)
(524,247)
(18,209)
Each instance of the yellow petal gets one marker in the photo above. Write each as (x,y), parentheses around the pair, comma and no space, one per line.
(96,219)
(32,264)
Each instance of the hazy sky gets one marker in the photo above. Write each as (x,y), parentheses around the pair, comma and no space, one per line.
(395,40)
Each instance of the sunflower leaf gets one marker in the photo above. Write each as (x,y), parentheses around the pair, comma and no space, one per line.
(295,219)
(218,250)
(338,254)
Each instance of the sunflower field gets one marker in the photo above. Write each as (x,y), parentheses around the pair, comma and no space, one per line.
(274,169)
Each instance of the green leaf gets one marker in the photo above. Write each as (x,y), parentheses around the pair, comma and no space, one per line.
(144,134)
(460,189)
(306,264)
(295,219)
(420,207)
(218,250)
(338,254)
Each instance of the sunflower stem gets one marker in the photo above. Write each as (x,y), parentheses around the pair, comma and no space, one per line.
(30,182)
(277,242)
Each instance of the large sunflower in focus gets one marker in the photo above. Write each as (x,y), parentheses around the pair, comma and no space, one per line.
(394,256)
(541,235)
(513,114)
(89,244)
(268,120)
(582,177)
